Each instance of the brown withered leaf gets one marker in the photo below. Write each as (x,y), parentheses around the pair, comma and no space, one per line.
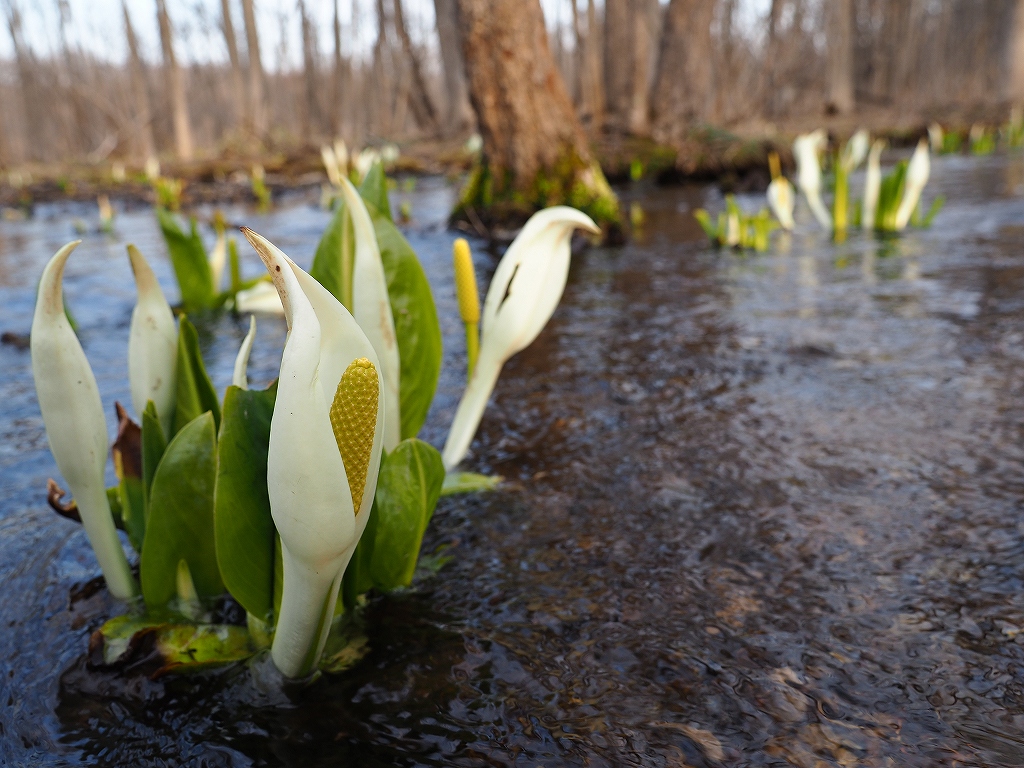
(54,494)
(127,448)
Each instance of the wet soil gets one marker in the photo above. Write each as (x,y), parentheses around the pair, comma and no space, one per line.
(761,510)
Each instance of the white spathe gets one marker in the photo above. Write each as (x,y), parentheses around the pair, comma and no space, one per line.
(152,345)
(918,171)
(371,307)
(310,498)
(262,297)
(218,260)
(238,376)
(75,427)
(782,201)
(808,173)
(522,296)
(872,185)
(855,151)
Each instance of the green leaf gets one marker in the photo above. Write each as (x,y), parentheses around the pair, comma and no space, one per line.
(190,648)
(417,328)
(933,211)
(374,191)
(195,393)
(180,525)
(358,577)
(191,265)
(133,501)
(244,528)
(153,446)
(704,219)
(333,260)
(407,491)
(468,482)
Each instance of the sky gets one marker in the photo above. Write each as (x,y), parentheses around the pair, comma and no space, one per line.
(96,26)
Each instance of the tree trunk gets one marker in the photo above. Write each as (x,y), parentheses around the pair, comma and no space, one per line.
(840,57)
(419,97)
(340,78)
(618,57)
(311,109)
(535,153)
(142,135)
(458,111)
(175,86)
(1015,65)
(32,103)
(682,89)
(227,26)
(594,88)
(257,97)
(640,82)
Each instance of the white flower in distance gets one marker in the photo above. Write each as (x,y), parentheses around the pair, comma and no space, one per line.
(855,151)
(523,294)
(152,345)
(808,173)
(872,185)
(782,201)
(326,437)
(75,427)
(262,298)
(918,171)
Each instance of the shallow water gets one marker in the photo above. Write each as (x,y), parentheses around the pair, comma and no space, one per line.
(760,510)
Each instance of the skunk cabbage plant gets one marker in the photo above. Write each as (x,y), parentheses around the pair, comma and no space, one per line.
(806,149)
(780,196)
(526,287)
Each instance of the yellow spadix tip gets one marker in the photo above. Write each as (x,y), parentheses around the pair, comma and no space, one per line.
(465,282)
(354,419)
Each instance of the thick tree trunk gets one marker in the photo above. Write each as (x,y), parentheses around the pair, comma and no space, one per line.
(682,89)
(144,147)
(840,57)
(618,58)
(419,97)
(175,86)
(257,97)
(458,111)
(1015,64)
(643,12)
(535,153)
(227,26)
(593,82)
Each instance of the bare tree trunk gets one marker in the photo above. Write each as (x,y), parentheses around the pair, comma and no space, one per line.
(175,86)
(458,111)
(682,90)
(142,133)
(595,98)
(640,85)
(257,96)
(840,57)
(311,110)
(535,152)
(32,103)
(419,97)
(770,68)
(340,78)
(618,38)
(238,98)
(1015,65)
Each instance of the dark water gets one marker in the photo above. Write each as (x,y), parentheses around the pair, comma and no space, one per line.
(762,510)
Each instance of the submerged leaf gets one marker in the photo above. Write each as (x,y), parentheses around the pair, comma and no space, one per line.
(468,482)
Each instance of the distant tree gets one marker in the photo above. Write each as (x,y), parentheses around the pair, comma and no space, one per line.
(257,95)
(144,146)
(238,98)
(682,89)
(1015,64)
(175,86)
(458,113)
(840,56)
(534,150)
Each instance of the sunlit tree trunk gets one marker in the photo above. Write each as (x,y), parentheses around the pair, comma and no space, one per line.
(419,97)
(257,96)
(142,135)
(175,86)
(227,26)
(458,112)
(618,58)
(840,57)
(1015,65)
(535,152)
(311,109)
(340,79)
(682,89)
(594,91)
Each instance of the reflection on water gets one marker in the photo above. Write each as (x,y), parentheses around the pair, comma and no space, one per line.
(762,510)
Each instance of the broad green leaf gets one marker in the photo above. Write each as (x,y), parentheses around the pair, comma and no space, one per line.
(117,635)
(153,446)
(190,648)
(195,393)
(468,482)
(188,257)
(410,483)
(374,191)
(133,502)
(333,260)
(180,525)
(416,326)
(244,528)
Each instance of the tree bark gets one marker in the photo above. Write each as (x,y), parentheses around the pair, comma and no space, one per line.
(535,153)
(142,135)
(640,82)
(311,110)
(458,111)
(1015,65)
(840,57)
(175,86)
(594,88)
(227,26)
(618,57)
(257,96)
(419,97)
(682,89)
(28,81)
(340,77)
